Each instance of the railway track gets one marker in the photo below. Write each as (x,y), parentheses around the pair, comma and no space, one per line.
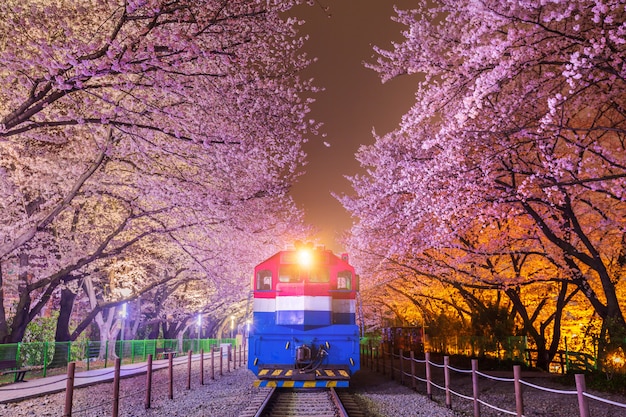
(284,402)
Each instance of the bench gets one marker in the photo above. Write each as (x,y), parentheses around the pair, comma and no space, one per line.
(10,367)
(162,353)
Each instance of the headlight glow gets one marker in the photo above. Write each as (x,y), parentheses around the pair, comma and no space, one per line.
(305,258)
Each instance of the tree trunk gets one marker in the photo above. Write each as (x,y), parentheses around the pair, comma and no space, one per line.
(22,310)
(62,335)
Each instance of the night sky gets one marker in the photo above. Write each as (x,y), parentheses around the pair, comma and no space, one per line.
(354,103)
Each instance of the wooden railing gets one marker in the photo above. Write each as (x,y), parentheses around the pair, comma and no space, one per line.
(403,367)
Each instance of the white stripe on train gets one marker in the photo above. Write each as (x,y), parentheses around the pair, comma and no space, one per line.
(270,305)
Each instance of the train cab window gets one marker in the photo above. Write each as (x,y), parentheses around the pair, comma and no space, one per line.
(289,273)
(264,279)
(319,275)
(344,280)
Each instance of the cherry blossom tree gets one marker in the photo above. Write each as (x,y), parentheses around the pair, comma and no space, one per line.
(518,115)
(124,121)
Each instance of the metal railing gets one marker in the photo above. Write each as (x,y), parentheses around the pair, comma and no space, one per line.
(51,358)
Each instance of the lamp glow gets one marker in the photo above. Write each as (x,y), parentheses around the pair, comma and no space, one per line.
(305,257)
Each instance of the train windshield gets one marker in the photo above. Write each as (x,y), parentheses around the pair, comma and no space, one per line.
(319,275)
(289,273)
(294,273)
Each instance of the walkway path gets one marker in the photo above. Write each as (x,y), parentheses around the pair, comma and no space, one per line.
(52,384)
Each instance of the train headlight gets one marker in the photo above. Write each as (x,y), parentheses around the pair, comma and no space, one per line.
(305,257)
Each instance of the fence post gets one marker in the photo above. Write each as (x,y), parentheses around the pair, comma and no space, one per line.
(362,355)
(581,388)
(189,370)
(222,360)
(170,366)
(391,359)
(116,388)
(201,366)
(413,384)
(401,366)
(519,399)
(148,381)
(69,389)
(429,388)
(213,362)
(375,357)
(446,378)
(475,387)
(384,359)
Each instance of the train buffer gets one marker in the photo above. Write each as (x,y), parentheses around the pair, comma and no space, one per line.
(289,377)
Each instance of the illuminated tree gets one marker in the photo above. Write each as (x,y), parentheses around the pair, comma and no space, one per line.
(120,121)
(518,115)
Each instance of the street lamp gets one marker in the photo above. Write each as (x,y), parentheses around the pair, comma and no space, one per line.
(199,323)
(245,339)
(123,316)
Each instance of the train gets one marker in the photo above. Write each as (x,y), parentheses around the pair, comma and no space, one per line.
(304,332)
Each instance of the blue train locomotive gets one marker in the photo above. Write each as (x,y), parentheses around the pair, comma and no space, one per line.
(304,332)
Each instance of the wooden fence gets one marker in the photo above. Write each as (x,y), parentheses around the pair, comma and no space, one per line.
(403,367)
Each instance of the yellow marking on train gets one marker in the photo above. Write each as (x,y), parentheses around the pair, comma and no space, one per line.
(309,384)
(263,371)
(329,372)
(288,384)
(277,372)
(289,372)
(331,384)
(344,373)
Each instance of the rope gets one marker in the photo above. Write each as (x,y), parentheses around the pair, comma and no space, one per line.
(555,391)
(82,410)
(458,394)
(436,364)
(438,386)
(539,387)
(496,378)
(135,369)
(462,371)
(604,400)
(496,408)
(94,375)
